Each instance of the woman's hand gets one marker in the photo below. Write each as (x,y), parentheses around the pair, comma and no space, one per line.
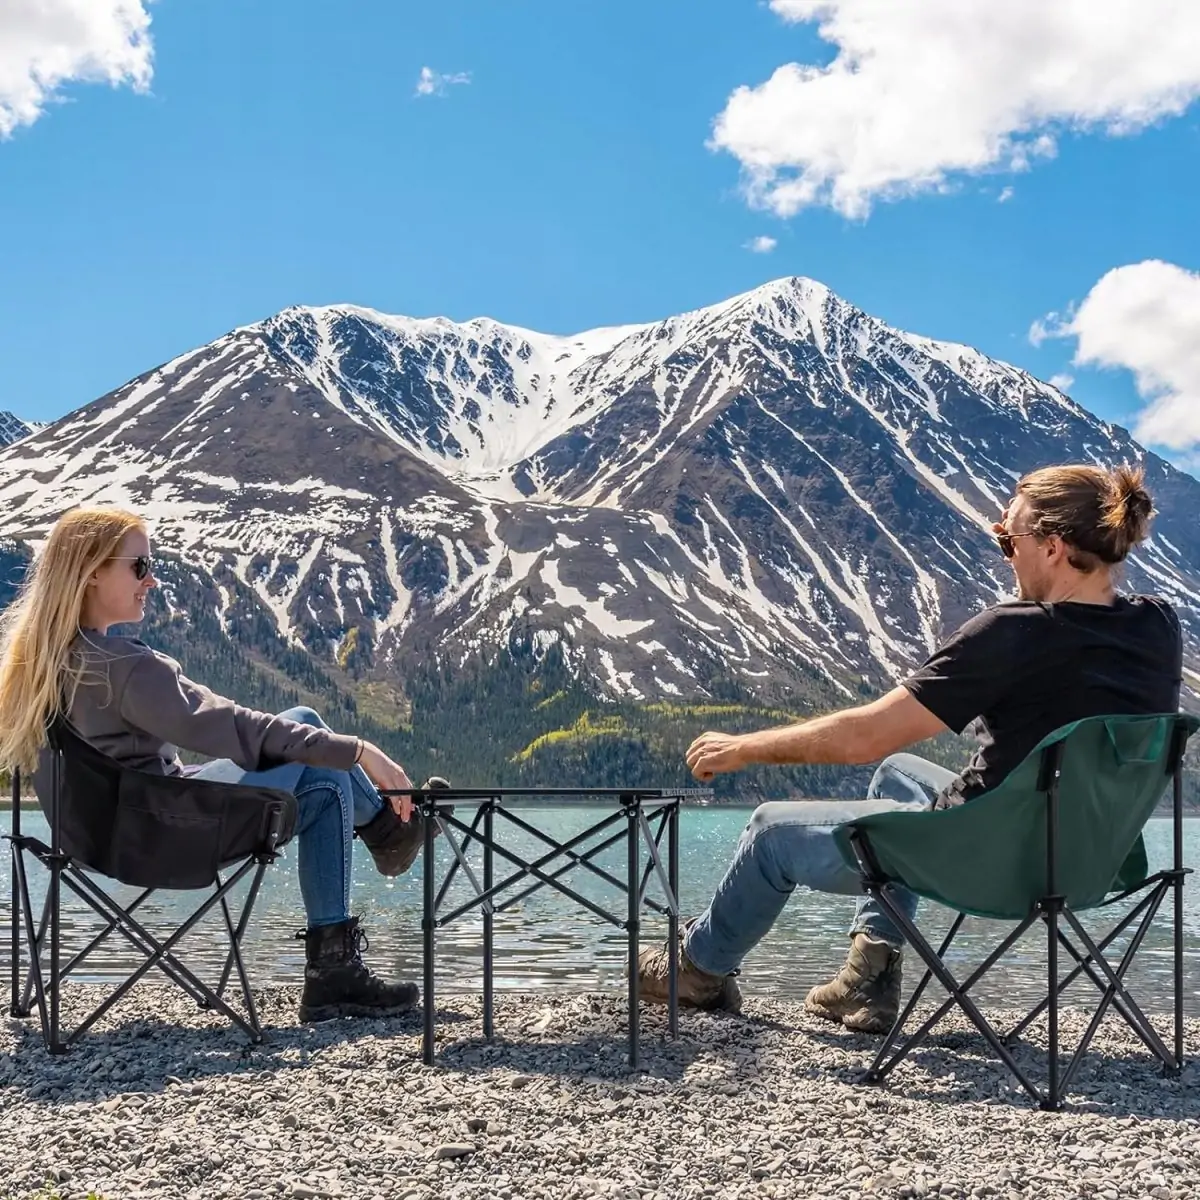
(387,776)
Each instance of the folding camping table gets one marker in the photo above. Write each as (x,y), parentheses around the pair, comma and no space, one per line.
(639,817)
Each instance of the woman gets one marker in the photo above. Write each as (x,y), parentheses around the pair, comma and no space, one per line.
(57,657)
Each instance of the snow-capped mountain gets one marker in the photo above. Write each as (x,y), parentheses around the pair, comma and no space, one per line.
(779,489)
(12,428)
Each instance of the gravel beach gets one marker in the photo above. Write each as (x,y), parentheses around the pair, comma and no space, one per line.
(162,1100)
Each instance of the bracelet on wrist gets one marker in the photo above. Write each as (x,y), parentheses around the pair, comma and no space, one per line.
(361,747)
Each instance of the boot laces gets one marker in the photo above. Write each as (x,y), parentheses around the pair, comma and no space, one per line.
(358,943)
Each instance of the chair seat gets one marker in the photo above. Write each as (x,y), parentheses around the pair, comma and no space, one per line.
(988,857)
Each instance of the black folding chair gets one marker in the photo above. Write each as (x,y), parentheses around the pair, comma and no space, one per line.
(151,832)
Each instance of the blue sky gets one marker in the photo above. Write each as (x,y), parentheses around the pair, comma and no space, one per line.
(281,155)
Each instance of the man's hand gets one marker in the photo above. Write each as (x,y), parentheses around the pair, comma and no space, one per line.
(715,754)
(387,776)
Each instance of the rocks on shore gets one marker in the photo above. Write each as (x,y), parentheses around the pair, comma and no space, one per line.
(162,1100)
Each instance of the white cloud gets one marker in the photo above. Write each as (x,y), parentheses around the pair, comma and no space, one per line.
(1006,194)
(45,44)
(434,83)
(920,90)
(761,244)
(1052,325)
(1063,381)
(1145,318)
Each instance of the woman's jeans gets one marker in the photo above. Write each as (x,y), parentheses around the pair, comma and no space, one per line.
(330,804)
(789,844)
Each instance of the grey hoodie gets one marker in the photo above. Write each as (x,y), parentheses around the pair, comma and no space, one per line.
(136,706)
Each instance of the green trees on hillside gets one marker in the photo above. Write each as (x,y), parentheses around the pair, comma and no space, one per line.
(519,718)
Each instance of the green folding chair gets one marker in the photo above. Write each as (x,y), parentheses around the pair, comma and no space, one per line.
(1060,835)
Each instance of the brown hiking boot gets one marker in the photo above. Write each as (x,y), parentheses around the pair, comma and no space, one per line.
(697,988)
(865,993)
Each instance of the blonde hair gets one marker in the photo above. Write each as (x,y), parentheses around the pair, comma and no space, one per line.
(1100,514)
(37,677)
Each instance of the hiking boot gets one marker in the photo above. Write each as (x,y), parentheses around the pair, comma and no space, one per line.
(697,988)
(865,994)
(337,983)
(394,844)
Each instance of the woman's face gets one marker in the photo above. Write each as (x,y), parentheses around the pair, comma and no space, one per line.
(115,594)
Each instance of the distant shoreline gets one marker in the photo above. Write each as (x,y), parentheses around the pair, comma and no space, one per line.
(29,804)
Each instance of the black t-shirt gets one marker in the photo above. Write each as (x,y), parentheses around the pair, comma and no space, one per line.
(1022,669)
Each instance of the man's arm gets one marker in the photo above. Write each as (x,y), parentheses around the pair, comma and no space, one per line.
(854,735)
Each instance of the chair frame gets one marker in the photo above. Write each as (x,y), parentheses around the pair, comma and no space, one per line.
(42,983)
(1053,911)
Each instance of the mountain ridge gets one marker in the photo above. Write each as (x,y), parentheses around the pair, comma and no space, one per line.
(778,489)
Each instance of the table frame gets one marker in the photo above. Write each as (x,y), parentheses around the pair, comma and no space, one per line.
(633,817)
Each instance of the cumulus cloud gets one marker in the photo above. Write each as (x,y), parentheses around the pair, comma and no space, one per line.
(45,44)
(923,91)
(434,83)
(1006,194)
(1144,318)
(761,244)
(1062,381)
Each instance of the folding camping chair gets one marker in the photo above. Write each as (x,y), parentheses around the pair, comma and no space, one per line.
(149,831)
(1057,837)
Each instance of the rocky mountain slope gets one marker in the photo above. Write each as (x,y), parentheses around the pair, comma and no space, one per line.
(777,497)
(12,428)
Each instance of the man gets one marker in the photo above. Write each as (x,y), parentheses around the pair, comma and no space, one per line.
(1069,647)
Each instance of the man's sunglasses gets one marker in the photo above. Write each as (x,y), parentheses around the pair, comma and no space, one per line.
(141,564)
(1004,540)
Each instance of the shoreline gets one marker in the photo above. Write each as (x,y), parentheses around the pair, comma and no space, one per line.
(161,1100)
(29,803)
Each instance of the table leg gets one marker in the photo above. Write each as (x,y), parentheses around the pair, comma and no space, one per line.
(632,809)
(488,949)
(428,811)
(673,919)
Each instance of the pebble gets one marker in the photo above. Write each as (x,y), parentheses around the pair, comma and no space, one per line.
(453,1150)
(161,1099)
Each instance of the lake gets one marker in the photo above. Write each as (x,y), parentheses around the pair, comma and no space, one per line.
(546,942)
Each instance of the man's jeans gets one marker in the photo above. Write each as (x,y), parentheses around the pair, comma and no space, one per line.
(789,844)
(330,805)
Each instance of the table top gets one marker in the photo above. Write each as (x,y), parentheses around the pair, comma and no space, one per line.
(456,793)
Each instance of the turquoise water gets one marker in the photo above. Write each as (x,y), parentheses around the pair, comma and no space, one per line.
(546,942)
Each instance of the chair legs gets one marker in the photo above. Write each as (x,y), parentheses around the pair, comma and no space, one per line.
(43,983)
(958,995)
(1063,932)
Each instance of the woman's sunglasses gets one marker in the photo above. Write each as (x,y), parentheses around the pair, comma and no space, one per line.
(141,564)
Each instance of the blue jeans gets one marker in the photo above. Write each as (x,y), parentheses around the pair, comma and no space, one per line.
(330,804)
(789,844)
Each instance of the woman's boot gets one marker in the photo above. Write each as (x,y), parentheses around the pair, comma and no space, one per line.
(337,983)
(395,844)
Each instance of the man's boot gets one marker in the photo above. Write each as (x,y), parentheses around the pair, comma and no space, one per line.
(394,844)
(697,987)
(337,983)
(865,993)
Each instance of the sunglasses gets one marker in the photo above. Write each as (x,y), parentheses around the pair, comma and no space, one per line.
(1005,542)
(141,564)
